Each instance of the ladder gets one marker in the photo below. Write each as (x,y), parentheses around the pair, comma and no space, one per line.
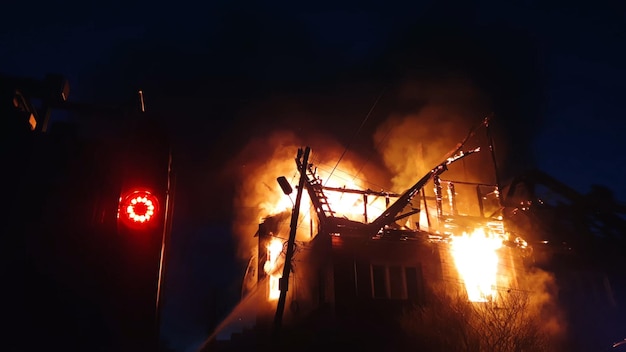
(316,193)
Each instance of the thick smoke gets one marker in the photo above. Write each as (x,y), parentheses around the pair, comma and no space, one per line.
(439,117)
(544,305)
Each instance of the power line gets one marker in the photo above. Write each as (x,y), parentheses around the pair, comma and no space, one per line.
(357,132)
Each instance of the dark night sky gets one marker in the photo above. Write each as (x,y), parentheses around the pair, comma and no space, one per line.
(555,71)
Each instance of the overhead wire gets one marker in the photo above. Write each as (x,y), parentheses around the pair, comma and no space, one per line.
(367,116)
(363,122)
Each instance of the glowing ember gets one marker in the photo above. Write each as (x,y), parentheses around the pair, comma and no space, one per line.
(476,260)
(273,268)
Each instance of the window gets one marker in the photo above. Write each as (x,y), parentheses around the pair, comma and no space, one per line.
(397,288)
(414,284)
(396,282)
(379,281)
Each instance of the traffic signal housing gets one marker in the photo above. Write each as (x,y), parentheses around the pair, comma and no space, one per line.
(139,209)
(145,165)
(143,221)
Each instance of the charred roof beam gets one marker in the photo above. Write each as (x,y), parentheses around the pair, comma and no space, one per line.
(390,214)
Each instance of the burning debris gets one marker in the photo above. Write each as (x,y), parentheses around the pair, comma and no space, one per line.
(357,247)
(472,242)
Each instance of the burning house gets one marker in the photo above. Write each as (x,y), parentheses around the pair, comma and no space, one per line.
(343,264)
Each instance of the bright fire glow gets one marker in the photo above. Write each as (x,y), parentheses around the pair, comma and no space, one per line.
(476,260)
(345,204)
(272,267)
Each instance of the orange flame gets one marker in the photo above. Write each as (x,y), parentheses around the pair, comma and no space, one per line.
(476,259)
(272,268)
(346,204)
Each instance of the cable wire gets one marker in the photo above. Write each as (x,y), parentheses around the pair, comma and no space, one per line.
(356,133)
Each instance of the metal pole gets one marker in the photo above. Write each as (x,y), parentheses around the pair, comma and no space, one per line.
(283,283)
(164,240)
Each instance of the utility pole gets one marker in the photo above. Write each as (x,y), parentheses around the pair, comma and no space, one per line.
(283,283)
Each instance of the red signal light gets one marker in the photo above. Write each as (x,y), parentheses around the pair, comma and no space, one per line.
(137,207)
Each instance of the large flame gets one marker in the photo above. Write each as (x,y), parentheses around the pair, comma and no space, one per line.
(476,259)
(272,267)
(343,204)
(350,205)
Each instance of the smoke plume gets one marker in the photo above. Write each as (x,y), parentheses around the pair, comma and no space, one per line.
(440,115)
